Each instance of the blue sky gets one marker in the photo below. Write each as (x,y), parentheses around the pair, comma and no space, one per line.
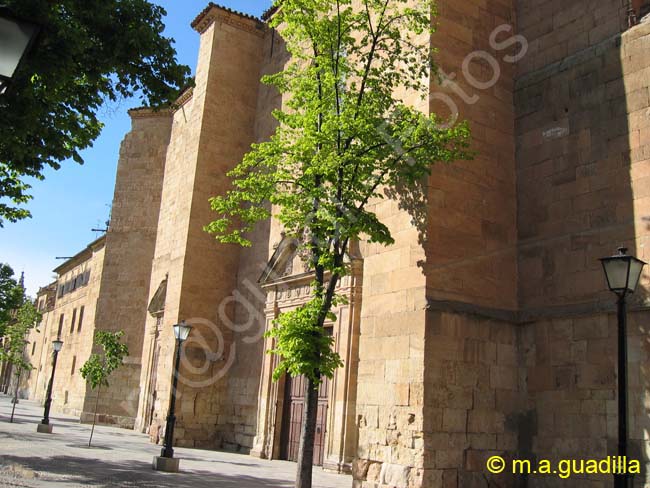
(72,201)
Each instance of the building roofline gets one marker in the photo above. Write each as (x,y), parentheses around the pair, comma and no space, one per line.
(269,12)
(204,19)
(89,248)
(143,112)
(46,288)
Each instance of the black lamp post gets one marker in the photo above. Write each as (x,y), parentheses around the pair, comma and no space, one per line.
(622,272)
(17,37)
(166,461)
(44,426)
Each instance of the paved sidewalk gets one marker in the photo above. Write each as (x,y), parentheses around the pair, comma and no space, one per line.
(122,458)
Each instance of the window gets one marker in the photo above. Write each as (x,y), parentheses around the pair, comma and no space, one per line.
(58,335)
(74,319)
(74,283)
(33,347)
(81,318)
(65,401)
(74,363)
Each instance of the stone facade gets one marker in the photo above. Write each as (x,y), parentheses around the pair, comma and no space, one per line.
(68,307)
(127,267)
(485,329)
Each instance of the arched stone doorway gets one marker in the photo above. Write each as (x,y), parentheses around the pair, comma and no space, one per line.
(287,285)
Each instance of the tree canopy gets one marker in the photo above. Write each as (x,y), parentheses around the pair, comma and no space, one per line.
(17,316)
(11,296)
(15,336)
(348,136)
(88,52)
(97,369)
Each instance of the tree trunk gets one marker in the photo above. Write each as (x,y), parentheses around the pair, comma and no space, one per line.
(307,439)
(92,431)
(13,409)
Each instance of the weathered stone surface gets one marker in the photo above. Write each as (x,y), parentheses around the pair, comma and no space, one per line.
(168,465)
(44,428)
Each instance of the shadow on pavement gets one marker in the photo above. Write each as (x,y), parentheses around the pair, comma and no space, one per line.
(219,461)
(15,437)
(98,472)
(36,419)
(16,421)
(91,448)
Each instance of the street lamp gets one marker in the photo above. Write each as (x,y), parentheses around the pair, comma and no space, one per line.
(166,460)
(17,37)
(622,272)
(44,427)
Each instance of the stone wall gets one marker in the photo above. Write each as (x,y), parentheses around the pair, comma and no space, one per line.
(70,388)
(570,370)
(210,269)
(239,426)
(473,397)
(582,152)
(467,229)
(485,329)
(33,383)
(471,212)
(557,30)
(211,132)
(130,241)
(493,386)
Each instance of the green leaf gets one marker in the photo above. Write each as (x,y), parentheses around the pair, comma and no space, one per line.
(345,139)
(97,369)
(88,52)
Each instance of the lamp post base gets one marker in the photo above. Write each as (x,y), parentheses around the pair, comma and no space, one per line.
(44,428)
(623,481)
(168,465)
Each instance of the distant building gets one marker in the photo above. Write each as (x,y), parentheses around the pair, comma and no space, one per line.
(68,306)
(485,329)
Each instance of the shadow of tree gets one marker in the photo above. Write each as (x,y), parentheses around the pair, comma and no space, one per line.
(90,448)
(99,472)
(413,198)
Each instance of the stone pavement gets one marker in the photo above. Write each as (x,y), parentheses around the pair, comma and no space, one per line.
(122,458)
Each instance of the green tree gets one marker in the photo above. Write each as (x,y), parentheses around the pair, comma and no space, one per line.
(15,342)
(345,138)
(11,296)
(15,336)
(88,52)
(98,368)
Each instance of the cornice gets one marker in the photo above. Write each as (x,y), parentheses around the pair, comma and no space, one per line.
(145,113)
(214,12)
(183,98)
(529,315)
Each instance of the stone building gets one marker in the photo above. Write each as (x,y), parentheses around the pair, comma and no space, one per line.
(485,329)
(38,347)
(68,311)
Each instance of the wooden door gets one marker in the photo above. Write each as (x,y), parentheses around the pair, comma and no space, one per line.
(294,410)
(153,392)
